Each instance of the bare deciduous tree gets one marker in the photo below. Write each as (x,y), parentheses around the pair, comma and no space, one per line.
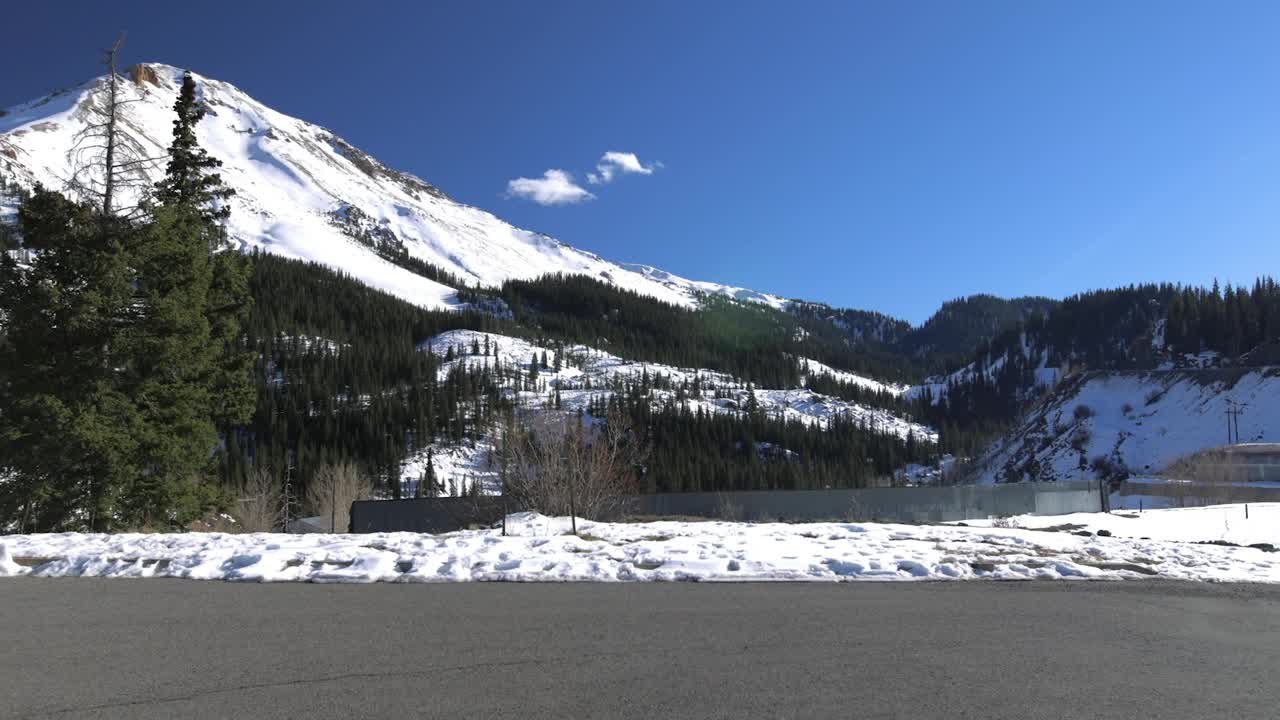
(259,506)
(560,465)
(332,491)
(106,161)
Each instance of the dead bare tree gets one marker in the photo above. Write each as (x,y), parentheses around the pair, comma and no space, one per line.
(258,509)
(106,162)
(333,489)
(562,465)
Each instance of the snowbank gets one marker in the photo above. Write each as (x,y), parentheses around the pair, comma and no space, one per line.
(539,550)
(1227,523)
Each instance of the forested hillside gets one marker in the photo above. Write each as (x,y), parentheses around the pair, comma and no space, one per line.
(340,377)
(950,335)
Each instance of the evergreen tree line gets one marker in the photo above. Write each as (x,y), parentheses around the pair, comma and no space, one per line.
(694,450)
(341,378)
(1231,321)
(946,340)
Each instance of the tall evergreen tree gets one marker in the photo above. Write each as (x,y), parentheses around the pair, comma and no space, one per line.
(191,178)
(192,182)
(173,361)
(66,424)
(190,370)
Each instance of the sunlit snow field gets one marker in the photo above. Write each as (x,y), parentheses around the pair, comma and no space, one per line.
(539,548)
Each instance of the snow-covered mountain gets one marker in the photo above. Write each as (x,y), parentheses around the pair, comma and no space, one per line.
(304,192)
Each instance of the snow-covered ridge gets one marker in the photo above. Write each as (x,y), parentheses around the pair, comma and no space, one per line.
(813,367)
(584,373)
(304,192)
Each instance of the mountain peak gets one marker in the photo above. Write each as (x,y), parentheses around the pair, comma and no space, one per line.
(151,73)
(302,191)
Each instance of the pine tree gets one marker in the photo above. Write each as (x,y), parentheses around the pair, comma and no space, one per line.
(429,475)
(753,403)
(190,369)
(191,178)
(66,424)
(191,182)
(172,363)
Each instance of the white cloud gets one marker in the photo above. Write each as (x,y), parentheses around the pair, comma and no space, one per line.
(614,163)
(555,187)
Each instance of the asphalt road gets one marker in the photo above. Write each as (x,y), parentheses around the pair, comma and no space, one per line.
(83,648)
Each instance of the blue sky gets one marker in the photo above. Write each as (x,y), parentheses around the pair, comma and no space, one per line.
(887,156)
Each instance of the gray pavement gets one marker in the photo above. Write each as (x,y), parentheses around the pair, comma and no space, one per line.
(84,648)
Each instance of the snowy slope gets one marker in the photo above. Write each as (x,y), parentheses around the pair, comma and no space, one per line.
(304,192)
(587,373)
(1139,421)
(813,367)
(987,369)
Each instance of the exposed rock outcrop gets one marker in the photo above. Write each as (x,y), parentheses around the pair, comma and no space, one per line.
(141,74)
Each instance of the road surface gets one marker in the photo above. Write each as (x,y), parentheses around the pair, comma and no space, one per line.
(89,648)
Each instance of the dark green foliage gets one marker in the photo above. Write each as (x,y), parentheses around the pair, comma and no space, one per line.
(1231,322)
(891,349)
(699,451)
(123,352)
(340,377)
(173,363)
(961,325)
(67,427)
(228,309)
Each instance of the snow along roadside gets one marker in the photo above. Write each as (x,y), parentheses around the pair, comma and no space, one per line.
(541,551)
(1238,523)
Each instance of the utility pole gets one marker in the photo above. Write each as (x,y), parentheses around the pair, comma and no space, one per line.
(1234,411)
(1228,422)
(288,488)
